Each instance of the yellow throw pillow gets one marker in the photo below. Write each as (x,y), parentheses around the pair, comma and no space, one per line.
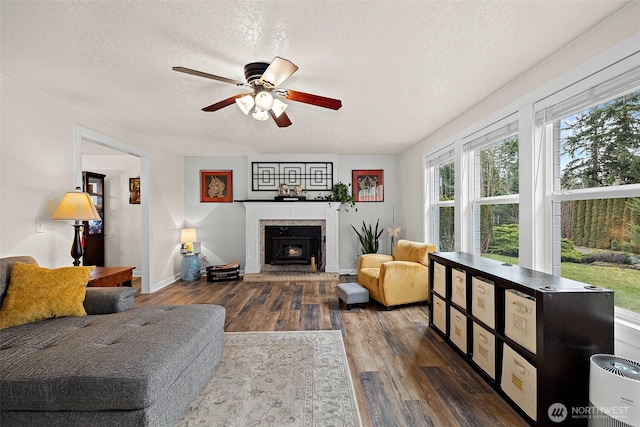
(37,293)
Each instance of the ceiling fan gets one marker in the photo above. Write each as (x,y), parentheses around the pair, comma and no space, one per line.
(263,79)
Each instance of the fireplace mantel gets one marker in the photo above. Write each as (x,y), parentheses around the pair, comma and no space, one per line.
(260,210)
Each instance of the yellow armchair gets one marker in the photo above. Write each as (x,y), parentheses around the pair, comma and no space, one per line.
(399,279)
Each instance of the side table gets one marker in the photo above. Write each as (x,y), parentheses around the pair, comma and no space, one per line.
(190,267)
(111,276)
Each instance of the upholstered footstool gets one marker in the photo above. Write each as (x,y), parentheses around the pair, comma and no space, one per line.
(351,294)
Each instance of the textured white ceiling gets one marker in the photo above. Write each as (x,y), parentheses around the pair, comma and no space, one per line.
(401,68)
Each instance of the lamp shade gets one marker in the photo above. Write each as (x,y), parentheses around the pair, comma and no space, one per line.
(260,115)
(188,235)
(245,103)
(76,206)
(278,107)
(264,101)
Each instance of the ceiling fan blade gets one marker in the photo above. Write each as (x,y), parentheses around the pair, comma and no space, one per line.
(207,75)
(317,100)
(223,103)
(278,71)
(282,121)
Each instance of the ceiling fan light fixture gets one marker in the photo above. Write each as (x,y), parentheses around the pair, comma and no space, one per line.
(278,107)
(245,103)
(260,115)
(264,100)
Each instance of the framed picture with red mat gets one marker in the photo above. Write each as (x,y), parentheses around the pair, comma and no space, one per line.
(216,186)
(368,185)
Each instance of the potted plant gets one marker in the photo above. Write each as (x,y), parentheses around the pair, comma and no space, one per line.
(368,238)
(341,192)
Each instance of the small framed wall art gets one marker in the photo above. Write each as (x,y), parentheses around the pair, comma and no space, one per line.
(368,185)
(216,186)
(134,191)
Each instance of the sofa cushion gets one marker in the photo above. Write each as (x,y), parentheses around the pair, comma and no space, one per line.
(121,361)
(37,293)
(413,251)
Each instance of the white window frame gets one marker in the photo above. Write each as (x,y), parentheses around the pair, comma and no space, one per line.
(601,87)
(433,164)
(610,82)
(472,145)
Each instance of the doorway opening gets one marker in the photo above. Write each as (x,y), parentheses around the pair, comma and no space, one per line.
(87,138)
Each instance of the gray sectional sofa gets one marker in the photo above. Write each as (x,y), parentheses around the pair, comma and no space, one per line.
(132,367)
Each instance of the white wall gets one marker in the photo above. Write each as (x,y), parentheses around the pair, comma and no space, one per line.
(369,212)
(613,30)
(122,222)
(221,226)
(38,165)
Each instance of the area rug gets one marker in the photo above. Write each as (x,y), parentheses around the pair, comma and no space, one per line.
(290,276)
(278,379)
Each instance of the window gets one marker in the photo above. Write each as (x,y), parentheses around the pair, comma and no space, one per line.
(600,145)
(600,246)
(441,170)
(595,140)
(553,184)
(495,185)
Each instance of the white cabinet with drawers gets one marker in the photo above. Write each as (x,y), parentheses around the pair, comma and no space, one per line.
(520,318)
(529,334)
(519,380)
(439,279)
(484,350)
(439,314)
(458,329)
(459,287)
(483,301)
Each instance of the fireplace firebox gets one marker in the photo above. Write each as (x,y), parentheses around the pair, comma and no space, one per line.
(294,244)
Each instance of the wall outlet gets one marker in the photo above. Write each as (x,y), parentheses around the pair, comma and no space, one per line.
(39,226)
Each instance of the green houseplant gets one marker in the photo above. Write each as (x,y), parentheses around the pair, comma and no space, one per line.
(341,192)
(369,237)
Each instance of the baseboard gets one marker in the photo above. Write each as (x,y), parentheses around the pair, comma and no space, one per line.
(166,282)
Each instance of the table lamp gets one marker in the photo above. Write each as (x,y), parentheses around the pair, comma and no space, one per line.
(187,237)
(190,261)
(76,206)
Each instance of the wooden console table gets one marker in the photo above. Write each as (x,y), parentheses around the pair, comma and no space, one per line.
(111,276)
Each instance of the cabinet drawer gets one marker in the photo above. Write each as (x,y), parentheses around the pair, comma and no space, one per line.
(520,319)
(459,288)
(440,314)
(458,329)
(519,381)
(439,279)
(484,351)
(483,304)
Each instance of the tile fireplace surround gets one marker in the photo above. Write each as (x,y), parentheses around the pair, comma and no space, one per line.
(260,214)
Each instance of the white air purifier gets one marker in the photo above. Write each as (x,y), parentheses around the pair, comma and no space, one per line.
(614,392)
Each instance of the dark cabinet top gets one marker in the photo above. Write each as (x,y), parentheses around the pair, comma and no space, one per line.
(529,280)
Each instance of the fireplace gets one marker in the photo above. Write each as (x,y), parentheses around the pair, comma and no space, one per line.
(292,244)
(261,214)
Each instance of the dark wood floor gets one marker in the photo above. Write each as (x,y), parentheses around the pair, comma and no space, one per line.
(403,374)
